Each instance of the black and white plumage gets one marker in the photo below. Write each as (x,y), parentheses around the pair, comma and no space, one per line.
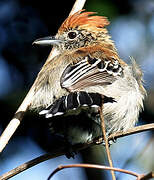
(73,102)
(87,65)
(89,83)
(89,72)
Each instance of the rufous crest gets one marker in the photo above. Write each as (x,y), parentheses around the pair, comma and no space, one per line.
(84,20)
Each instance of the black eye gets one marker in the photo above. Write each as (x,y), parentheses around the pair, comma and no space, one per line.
(72,35)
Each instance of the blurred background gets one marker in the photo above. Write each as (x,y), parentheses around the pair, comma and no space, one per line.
(23,21)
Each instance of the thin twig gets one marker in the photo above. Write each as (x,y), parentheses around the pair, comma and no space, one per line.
(61,151)
(31,163)
(131,131)
(147,176)
(106,143)
(92,166)
(15,122)
(78,5)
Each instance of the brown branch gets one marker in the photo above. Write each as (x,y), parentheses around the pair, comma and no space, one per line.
(147,176)
(93,166)
(106,142)
(31,163)
(15,122)
(61,151)
(131,131)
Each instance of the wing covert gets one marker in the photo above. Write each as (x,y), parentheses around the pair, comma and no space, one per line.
(90,72)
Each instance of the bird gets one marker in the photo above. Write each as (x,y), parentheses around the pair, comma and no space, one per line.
(85,76)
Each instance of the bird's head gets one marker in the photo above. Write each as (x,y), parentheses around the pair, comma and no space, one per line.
(79,30)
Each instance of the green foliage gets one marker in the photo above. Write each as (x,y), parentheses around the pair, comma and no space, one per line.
(104,8)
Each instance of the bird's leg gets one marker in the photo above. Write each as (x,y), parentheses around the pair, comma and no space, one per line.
(69,151)
(100,140)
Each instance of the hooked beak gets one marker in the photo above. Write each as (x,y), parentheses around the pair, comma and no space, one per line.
(46,41)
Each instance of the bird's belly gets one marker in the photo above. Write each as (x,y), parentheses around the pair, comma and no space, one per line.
(119,116)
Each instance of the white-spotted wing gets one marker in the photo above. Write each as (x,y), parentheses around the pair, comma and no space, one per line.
(90,72)
(74,101)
